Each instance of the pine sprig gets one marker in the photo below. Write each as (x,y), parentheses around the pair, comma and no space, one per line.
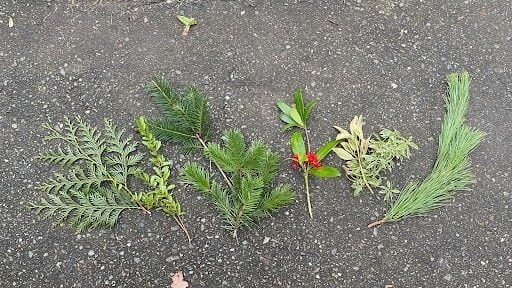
(97,209)
(252,170)
(186,118)
(451,171)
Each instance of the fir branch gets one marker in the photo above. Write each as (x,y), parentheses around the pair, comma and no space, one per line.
(250,196)
(97,209)
(186,116)
(451,171)
(200,179)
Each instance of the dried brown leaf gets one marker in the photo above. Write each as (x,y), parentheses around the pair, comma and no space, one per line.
(177,280)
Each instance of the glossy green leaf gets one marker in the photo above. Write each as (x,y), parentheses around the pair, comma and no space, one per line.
(297,144)
(287,119)
(308,108)
(324,150)
(324,172)
(284,107)
(294,114)
(299,104)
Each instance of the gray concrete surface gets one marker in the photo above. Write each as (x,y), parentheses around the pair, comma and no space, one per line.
(384,59)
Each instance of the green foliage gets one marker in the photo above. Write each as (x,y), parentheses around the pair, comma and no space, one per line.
(187,21)
(95,190)
(368,157)
(251,171)
(451,171)
(389,192)
(185,118)
(96,209)
(311,164)
(161,197)
(107,158)
(297,114)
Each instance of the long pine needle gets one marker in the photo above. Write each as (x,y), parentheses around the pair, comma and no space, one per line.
(451,171)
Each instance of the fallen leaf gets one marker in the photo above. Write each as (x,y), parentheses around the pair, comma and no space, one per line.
(266,240)
(11,22)
(177,281)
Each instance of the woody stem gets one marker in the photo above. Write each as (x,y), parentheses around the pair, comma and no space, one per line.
(307,137)
(308,196)
(218,167)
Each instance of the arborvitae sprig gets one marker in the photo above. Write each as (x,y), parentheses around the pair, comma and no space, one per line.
(368,157)
(95,190)
(451,171)
(251,171)
(100,209)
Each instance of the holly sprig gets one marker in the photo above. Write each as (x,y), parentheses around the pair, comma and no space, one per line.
(296,115)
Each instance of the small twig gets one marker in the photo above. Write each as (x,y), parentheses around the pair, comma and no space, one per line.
(218,167)
(332,21)
(308,196)
(376,223)
(182,226)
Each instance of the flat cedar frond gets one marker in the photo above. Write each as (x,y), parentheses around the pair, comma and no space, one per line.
(185,117)
(251,170)
(451,170)
(96,209)
(108,158)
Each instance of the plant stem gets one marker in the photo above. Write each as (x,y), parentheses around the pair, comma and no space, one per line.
(182,226)
(237,220)
(307,137)
(218,167)
(362,173)
(308,197)
(376,223)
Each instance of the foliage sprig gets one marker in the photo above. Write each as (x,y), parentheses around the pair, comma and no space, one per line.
(296,116)
(248,171)
(95,191)
(451,170)
(251,171)
(368,157)
(95,196)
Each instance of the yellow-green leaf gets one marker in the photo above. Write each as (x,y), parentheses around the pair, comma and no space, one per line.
(343,154)
(187,21)
(356,126)
(11,22)
(343,134)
